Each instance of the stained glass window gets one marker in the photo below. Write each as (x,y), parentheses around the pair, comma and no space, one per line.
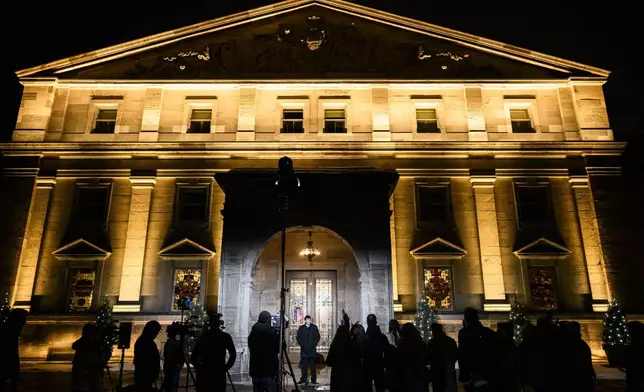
(298,306)
(187,285)
(542,288)
(438,287)
(81,289)
(324,311)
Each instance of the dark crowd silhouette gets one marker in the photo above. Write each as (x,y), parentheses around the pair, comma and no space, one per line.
(551,357)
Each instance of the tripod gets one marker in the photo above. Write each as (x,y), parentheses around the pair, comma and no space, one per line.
(109,377)
(288,372)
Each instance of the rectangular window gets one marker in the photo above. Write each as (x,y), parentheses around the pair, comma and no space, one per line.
(200,120)
(81,289)
(192,204)
(433,204)
(533,203)
(91,204)
(105,121)
(427,121)
(521,122)
(293,121)
(542,287)
(335,121)
(438,287)
(187,287)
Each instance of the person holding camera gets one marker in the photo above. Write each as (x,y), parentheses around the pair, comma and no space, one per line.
(209,356)
(264,347)
(308,337)
(173,354)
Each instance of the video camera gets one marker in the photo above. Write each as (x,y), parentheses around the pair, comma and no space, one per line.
(276,322)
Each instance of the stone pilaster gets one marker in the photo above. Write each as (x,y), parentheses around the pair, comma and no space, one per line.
(475,115)
(31,245)
(488,231)
(246,116)
(591,243)
(151,114)
(137,231)
(35,111)
(380,114)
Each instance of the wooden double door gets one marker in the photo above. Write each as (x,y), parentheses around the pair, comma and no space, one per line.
(312,293)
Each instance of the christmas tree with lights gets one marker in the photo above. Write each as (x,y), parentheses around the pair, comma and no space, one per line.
(107,329)
(424,319)
(196,320)
(518,319)
(5,309)
(615,332)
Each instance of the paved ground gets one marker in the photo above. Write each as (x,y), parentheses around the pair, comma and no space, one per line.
(54,377)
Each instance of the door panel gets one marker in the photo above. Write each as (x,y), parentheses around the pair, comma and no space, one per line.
(311,293)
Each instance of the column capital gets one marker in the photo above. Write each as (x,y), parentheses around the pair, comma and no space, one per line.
(579,181)
(45,182)
(143,182)
(483,181)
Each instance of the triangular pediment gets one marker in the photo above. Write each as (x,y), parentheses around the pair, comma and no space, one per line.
(81,248)
(186,248)
(438,247)
(312,39)
(543,247)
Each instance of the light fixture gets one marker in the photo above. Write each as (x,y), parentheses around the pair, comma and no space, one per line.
(310,251)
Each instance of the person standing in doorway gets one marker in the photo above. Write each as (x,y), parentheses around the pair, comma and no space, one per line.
(308,337)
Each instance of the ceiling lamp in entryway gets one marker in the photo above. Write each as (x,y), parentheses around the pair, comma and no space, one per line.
(310,251)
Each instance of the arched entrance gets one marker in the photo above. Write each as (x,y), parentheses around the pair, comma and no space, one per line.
(321,288)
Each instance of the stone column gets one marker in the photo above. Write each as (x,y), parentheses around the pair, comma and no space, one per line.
(488,231)
(151,114)
(246,116)
(591,243)
(137,233)
(380,114)
(31,245)
(475,114)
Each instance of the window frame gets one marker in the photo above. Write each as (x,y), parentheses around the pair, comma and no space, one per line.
(334,102)
(532,264)
(521,221)
(425,265)
(417,202)
(184,265)
(428,102)
(284,119)
(68,288)
(191,120)
(200,102)
(529,104)
(435,121)
(177,222)
(342,120)
(291,102)
(77,216)
(98,103)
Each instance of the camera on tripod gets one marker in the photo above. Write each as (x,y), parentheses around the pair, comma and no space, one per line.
(276,322)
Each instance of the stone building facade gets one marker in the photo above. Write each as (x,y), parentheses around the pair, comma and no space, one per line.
(434,165)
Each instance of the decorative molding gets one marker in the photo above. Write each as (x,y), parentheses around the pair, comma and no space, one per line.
(483,182)
(99,252)
(201,251)
(497,307)
(557,250)
(126,308)
(92,173)
(45,182)
(20,172)
(450,250)
(143,182)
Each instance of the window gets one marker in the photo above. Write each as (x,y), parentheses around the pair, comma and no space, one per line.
(293,121)
(105,121)
(335,121)
(520,119)
(81,289)
(92,204)
(192,204)
(427,121)
(533,203)
(187,287)
(433,204)
(438,287)
(542,287)
(200,120)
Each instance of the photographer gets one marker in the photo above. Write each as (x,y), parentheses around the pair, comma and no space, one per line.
(173,354)
(264,347)
(209,356)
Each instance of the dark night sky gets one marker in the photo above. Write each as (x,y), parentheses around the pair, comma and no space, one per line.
(604,37)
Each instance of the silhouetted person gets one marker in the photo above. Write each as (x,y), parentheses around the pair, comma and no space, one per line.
(173,354)
(209,357)
(308,337)
(9,357)
(526,359)
(393,335)
(579,374)
(147,362)
(545,349)
(507,358)
(443,354)
(635,358)
(344,359)
(87,363)
(373,351)
(477,354)
(264,347)
(412,353)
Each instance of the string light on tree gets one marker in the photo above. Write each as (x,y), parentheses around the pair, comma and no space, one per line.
(5,309)
(196,320)
(424,319)
(518,319)
(615,332)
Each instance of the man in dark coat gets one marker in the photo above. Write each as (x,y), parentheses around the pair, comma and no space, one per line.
(264,347)
(9,358)
(147,361)
(373,351)
(308,337)
(442,359)
(477,356)
(209,357)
